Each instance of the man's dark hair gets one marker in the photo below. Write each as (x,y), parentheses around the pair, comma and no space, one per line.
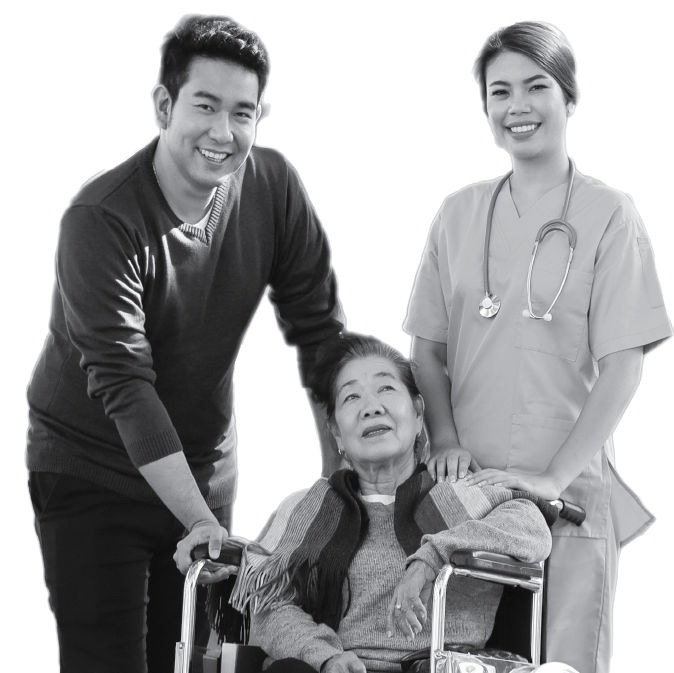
(214,37)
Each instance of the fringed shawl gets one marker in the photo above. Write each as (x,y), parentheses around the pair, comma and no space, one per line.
(303,555)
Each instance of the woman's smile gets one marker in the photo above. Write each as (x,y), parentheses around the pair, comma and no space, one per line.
(376,431)
(521,130)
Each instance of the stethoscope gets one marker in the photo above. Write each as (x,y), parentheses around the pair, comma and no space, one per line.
(491,303)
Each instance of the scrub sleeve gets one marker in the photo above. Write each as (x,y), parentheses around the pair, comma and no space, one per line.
(625,309)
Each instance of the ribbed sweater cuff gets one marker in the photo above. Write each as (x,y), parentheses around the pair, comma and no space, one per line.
(153,447)
(428,554)
(318,652)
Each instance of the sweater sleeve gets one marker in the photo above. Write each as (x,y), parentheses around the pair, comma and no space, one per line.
(288,631)
(303,284)
(99,269)
(516,528)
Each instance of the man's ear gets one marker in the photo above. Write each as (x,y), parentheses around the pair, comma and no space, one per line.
(162,106)
(263,110)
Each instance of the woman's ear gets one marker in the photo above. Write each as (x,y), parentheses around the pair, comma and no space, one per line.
(570,109)
(419,407)
(334,431)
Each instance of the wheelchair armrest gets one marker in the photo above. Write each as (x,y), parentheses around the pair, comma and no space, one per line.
(498,563)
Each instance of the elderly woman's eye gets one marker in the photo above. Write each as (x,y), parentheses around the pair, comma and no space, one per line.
(349,397)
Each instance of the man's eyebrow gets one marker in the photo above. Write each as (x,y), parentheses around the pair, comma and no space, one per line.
(207,95)
(245,104)
(528,80)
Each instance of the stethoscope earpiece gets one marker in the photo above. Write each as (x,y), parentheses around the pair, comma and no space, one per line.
(554,225)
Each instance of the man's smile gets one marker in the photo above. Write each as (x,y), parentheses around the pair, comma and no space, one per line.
(215,157)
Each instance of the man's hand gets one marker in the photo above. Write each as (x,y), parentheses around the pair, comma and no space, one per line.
(347,662)
(542,485)
(450,463)
(407,610)
(215,535)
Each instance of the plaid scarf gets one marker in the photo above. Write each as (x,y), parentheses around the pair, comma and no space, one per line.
(303,555)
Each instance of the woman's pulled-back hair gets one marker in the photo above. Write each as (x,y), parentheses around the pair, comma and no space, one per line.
(543,43)
(214,37)
(334,354)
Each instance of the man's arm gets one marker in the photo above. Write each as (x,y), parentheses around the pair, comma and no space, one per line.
(101,282)
(172,480)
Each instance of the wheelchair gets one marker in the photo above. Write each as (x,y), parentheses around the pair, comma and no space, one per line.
(510,647)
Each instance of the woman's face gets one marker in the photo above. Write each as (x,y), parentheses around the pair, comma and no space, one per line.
(526,108)
(376,420)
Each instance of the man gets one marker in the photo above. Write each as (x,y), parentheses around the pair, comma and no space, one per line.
(161,263)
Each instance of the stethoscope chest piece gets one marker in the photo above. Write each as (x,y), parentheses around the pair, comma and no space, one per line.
(490,305)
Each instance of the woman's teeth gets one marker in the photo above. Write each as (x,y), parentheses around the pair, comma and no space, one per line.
(523,129)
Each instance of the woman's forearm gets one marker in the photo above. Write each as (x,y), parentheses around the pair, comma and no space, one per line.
(619,376)
(287,631)
(430,358)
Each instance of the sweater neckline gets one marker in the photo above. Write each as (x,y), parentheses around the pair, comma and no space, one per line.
(203,235)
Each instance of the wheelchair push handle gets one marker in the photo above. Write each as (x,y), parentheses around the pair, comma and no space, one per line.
(230,554)
(567,510)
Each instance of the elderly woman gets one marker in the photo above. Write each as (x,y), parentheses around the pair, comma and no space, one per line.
(352,560)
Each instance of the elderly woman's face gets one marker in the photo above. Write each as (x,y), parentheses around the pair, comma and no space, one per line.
(375,417)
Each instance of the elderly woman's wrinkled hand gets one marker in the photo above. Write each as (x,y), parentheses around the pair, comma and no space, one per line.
(346,662)
(450,463)
(407,610)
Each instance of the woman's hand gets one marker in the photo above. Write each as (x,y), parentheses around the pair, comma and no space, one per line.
(451,463)
(541,485)
(407,609)
(346,662)
(215,535)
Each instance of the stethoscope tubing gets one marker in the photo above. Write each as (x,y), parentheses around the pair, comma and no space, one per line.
(553,225)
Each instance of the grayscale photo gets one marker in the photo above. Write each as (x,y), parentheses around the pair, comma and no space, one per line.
(341,344)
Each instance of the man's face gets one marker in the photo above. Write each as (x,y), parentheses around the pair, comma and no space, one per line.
(211,126)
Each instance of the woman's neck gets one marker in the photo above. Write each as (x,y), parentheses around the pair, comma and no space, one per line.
(384,479)
(532,179)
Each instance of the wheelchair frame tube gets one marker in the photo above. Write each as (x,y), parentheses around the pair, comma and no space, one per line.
(440,659)
(186,645)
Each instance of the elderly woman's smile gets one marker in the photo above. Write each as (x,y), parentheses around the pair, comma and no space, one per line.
(376,420)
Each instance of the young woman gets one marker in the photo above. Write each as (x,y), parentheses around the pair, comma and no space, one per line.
(526,368)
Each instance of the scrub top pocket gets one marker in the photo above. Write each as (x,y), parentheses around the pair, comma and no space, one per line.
(561,336)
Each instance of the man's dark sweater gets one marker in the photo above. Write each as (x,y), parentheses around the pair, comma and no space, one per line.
(148,315)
